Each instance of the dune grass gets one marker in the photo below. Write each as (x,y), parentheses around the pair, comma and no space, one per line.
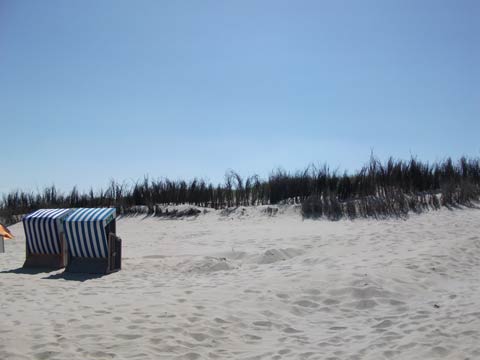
(392,188)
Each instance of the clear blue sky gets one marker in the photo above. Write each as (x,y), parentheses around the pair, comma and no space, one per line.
(93,90)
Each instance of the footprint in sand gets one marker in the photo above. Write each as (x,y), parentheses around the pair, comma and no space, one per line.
(290,330)
(98,355)
(45,355)
(313,292)
(306,303)
(190,356)
(156,340)
(220,321)
(199,336)
(364,304)
(384,324)
(331,302)
(262,323)
(250,337)
(337,328)
(439,351)
(128,336)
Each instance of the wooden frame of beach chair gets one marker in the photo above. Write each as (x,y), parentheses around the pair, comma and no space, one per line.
(45,244)
(115,254)
(94,247)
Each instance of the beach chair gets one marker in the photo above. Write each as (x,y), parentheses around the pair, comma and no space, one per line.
(4,234)
(93,245)
(45,243)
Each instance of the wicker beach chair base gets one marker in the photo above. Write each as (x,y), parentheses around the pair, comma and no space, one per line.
(53,261)
(44,261)
(106,265)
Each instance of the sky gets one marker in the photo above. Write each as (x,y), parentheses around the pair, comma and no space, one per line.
(94,90)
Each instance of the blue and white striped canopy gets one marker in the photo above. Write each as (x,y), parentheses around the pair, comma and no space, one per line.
(85,232)
(42,229)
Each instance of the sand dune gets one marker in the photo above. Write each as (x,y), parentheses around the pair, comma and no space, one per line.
(257,284)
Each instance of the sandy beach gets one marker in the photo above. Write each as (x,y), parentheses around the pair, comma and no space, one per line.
(248,285)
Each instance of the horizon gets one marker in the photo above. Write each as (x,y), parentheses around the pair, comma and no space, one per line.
(118,90)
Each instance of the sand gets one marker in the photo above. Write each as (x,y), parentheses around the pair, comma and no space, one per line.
(248,285)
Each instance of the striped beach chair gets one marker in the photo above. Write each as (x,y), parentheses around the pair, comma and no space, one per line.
(45,244)
(92,243)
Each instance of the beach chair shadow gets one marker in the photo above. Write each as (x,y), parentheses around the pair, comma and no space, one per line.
(81,277)
(29,271)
